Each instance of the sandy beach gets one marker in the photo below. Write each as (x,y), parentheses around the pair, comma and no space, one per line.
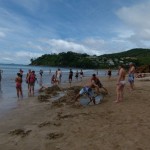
(62,125)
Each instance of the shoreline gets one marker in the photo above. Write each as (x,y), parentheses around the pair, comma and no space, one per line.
(59,126)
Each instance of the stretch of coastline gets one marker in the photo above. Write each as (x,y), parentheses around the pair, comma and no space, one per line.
(62,125)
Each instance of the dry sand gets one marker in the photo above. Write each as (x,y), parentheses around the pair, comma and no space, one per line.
(35,125)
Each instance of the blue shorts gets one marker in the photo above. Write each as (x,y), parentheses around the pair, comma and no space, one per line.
(86,90)
(131,78)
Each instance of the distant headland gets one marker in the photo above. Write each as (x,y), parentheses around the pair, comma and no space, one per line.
(139,56)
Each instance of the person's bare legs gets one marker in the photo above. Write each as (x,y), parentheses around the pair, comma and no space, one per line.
(30,90)
(105,90)
(17,92)
(77,97)
(118,94)
(21,92)
(131,86)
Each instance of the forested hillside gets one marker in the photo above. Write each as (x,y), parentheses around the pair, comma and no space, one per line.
(70,59)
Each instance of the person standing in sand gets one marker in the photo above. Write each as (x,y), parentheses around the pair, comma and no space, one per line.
(81,74)
(41,73)
(120,84)
(70,76)
(27,77)
(77,75)
(109,73)
(131,75)
(32,79)
(18,81)
(59,75)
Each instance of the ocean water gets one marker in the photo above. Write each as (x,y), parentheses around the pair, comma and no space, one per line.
(8,97)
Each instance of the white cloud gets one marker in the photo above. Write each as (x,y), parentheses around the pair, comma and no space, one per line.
(137,22)
(22,57)
(59,45)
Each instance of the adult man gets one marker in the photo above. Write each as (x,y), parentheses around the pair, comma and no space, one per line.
(131,75)
(70,76)
(120,83)
(97,84)
(41,73)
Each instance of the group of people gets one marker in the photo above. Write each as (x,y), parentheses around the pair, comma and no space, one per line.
(94,81)
(30,80)
(121,81)
(77,74)
(56,77)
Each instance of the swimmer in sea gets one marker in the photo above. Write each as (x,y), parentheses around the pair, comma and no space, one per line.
(120,83)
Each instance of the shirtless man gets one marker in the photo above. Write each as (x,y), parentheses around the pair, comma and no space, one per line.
(70,76)
(97,84)
(131,75)
(120,83)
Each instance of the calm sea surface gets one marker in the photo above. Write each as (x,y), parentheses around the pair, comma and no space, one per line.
(8,97)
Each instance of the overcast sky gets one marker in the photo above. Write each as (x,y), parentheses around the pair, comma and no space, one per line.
(31,28)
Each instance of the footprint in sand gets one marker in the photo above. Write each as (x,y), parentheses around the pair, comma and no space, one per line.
(20,132)
(51,136)
(48,123)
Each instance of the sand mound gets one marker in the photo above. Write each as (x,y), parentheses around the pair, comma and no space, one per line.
(52,89)
(43,98)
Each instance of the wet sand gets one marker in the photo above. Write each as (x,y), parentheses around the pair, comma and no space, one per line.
(39,124)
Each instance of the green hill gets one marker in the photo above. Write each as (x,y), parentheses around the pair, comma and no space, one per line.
(138,56)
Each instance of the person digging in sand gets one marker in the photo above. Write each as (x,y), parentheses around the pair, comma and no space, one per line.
(86,90)
(97,84)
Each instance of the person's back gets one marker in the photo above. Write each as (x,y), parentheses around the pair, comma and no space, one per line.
(97,83)
(95,80)
(122,74)
(32,78)
(18,80)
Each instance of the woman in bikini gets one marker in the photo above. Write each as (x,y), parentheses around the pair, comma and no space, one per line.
(120,83)
(18,81)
